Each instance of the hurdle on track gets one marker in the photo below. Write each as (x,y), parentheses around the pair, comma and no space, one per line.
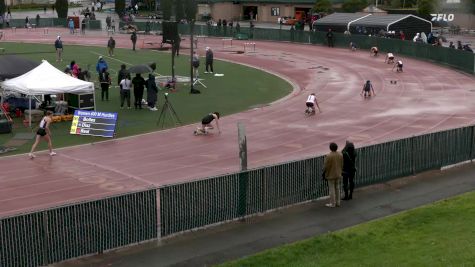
(250,45)
(227,40)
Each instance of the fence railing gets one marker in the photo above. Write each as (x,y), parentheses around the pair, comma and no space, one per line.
(52,235)
(196,204)
(459,59)
(50,22)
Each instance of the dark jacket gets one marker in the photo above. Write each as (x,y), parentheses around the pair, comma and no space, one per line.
(209,56)
(349,159)
(58,44)
(133,37)
(104,77)
(139,83)
(111,43)
(121,75)
(152,89)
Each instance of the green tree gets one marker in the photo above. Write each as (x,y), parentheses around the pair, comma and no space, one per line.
(179,10)
(3,8)
(354,5)
(166,7)
(396,3)
(120,7)
(323,6)
(190,9)
(61,8)
(425,8)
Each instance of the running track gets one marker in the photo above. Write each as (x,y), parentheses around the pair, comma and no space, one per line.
(426,98)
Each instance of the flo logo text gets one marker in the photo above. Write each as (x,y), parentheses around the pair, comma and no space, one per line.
(442,17)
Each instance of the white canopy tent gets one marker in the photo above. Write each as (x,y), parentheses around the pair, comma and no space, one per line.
(46,79)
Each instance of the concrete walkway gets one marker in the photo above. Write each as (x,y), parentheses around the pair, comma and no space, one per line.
(238,239)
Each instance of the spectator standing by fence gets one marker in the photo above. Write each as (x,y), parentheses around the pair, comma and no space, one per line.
(333,167)
(83,26)
(349,169)
(330,38)
(71,26)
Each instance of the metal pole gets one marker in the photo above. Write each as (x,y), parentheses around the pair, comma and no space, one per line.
(191,56)
(242,146)
(29,115)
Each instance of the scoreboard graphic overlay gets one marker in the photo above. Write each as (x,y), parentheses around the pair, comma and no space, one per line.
(95,123)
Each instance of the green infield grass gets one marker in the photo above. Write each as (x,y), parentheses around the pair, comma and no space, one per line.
(241,88)
(439,234)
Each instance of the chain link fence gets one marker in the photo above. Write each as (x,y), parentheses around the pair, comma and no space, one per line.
(52,235)
(459,59)
(192,205)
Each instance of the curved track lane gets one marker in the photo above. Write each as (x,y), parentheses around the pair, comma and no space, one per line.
(426,98)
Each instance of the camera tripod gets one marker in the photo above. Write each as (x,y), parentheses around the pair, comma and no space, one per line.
(198,81)
(167,111)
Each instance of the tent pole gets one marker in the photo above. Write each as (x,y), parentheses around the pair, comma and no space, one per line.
(29,115)
(94,96)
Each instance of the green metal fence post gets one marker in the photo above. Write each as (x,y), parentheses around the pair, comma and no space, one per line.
(243,192)
(472,143)
(413,155)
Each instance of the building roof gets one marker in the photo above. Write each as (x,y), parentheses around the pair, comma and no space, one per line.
(340,18)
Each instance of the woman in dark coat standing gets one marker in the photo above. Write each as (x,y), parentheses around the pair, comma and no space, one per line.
(152,91)
(349,169)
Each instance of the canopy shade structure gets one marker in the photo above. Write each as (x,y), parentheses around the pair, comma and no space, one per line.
(46,79)
(361,23)
(338,22)
(409,24)
(12,66)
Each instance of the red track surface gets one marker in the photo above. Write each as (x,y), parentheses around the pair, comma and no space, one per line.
(426,98)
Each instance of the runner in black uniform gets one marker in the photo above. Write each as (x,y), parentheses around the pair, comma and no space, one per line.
(43,131)
(206,123)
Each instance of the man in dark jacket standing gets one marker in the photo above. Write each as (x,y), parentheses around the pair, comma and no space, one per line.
(349,169)
(133,38)
(111,46)
(209,60)
(122,74)
(105,80)
(139,85)
(333,167)
(58,45)
(330,38)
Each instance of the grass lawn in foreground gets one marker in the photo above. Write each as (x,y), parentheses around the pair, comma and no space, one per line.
(439,234)
(239,89)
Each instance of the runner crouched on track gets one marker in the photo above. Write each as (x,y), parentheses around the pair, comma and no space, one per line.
(206,123)
(389,58)
(367,89)
(311,103)
(374,51)
(398,66)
